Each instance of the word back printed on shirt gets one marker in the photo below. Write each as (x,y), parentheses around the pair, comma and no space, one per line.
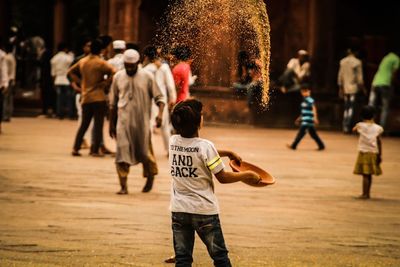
(182,165)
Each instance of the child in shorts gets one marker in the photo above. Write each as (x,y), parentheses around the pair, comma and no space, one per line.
(369,149)
(194,205)
(307,119)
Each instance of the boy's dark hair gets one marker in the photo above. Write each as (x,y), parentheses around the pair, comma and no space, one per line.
(106,40)
(182,53)
(8,48)
(150,51)
(96,46)
(84,41)
(305,86)
(186,117)
(367,112)
(132,46)
(62,46)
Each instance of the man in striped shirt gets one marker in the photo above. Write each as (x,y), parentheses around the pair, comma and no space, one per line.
(307,119)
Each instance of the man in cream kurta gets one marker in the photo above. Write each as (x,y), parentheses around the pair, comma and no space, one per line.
(132,92)
(350,80)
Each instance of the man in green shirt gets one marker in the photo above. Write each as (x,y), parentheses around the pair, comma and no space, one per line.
(382,89)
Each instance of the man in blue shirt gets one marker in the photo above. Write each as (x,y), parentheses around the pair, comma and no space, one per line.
(307,119)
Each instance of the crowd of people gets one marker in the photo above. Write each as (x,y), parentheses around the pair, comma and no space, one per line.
(139,92)
(91,88)
(135,91)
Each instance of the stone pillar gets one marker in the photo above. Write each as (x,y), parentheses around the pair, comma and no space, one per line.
(312,26)
(59,22)
(120,19)
(322,43)
(104,16)
(5,14)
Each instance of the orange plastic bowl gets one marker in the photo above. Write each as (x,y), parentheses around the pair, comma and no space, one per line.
(266,178)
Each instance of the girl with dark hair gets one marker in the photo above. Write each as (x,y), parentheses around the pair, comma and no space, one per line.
(369,149)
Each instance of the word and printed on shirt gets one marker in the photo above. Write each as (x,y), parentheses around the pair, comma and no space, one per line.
(182,165)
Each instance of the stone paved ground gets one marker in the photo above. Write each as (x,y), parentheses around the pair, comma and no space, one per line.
(56,210)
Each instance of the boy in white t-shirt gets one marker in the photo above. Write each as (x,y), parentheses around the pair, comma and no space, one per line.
(369,149)
(194,205)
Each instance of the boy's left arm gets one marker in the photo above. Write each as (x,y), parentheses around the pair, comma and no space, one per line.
(316,120)
(230,154)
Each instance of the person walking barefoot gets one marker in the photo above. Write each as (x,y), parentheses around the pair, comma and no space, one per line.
(369,150)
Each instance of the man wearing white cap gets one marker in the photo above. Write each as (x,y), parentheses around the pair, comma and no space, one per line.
(297,72)
(117,61)
(132,92)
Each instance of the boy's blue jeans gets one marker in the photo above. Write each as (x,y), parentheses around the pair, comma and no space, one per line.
(208,228)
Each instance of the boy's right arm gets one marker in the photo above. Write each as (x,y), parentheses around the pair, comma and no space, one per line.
(232,177)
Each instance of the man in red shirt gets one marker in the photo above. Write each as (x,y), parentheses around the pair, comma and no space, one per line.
(181,72)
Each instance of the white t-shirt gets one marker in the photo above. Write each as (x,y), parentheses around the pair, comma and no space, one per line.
(60,64)
(300,70)
(368,136)
(117,62)
(193,162)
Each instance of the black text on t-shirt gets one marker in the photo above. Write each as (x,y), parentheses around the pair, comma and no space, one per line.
(182,166)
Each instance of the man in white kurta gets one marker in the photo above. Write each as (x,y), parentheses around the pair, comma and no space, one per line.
(165,81)
(132,92)
(350,80)
(118,60)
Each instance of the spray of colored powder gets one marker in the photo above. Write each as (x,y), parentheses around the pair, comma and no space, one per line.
(215,30)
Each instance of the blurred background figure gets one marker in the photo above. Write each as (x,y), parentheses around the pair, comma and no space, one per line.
(3,78)
(60,64)
(165,81)
(48,96)
(106,48)
(243,78)
(77,88)
(350,81)
(182,72)
(382,85)
(90,72)
(11,63)
(298,71)
(117,61)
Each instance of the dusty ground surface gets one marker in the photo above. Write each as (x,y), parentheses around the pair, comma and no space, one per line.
(56,210)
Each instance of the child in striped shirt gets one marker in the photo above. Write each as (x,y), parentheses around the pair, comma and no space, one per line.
(307,119)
